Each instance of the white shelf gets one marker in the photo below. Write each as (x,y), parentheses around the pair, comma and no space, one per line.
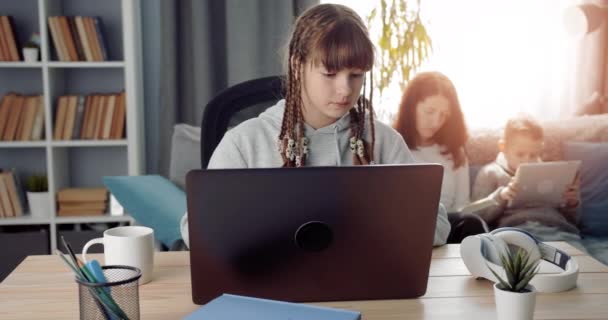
(93,219)
(20,64)
(23,220)
(85,64)
(22,144)
(89,143)
(76,163)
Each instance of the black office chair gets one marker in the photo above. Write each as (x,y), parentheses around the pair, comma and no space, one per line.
(234,105)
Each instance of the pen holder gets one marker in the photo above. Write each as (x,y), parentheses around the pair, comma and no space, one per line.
(118,298)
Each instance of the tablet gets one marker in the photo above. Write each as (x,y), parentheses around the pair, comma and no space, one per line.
(543,183)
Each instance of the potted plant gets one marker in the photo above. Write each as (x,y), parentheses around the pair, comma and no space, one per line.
(38,198)
(515,297)
(31,49)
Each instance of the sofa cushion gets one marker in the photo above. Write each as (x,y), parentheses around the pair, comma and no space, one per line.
(185,153)
(153,201)
(594,184)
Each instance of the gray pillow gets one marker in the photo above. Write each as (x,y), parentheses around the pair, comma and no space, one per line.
(185,153)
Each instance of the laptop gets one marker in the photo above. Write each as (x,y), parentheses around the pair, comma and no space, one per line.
(312,234)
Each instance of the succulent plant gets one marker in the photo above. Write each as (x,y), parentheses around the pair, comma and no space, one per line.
(37,183)
(519,269)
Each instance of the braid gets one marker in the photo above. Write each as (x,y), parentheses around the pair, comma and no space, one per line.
(370,107)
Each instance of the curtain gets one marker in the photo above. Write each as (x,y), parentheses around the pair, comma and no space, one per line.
(194,49)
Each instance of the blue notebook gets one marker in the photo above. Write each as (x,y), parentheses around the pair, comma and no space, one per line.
(232,307)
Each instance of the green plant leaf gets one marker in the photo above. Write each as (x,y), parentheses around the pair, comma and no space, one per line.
(502,282)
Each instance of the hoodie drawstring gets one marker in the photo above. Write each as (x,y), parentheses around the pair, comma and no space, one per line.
(338,156)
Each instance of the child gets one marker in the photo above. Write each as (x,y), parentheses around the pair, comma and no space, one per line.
(324,120)
(523,143)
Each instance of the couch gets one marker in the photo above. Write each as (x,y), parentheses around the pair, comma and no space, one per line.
(581,138)
(584,138)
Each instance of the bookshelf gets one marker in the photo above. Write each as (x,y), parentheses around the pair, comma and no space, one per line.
(74,163)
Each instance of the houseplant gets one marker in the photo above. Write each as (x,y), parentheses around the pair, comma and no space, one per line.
(402,40)
(31,49)
(38,198)
(515,297)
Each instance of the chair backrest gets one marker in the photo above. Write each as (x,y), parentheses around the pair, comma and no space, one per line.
(257,94)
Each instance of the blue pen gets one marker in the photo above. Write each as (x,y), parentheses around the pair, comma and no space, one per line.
(94,267)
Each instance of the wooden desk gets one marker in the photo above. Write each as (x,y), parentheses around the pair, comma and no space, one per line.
(42,287)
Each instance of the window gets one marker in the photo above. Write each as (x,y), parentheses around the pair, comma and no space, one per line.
(504,57)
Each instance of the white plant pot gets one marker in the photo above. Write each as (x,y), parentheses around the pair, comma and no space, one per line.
(30,54)
(515,305)
(40,204)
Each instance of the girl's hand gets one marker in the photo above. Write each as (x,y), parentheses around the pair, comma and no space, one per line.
(509,192)
(571,195)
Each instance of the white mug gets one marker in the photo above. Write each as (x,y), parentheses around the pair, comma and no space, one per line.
(131,246)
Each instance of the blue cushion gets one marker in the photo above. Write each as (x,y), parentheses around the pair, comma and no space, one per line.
(153,201)
(594,184)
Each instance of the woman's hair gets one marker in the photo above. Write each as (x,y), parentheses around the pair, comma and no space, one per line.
(453,134)
(334,36)
(523,125)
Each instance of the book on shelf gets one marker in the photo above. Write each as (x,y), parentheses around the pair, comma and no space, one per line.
(60,116)
(10,194)
(21,117)
(78,38)
(82,195)
(78,213)
(82,202)
(96,116)
(8,40)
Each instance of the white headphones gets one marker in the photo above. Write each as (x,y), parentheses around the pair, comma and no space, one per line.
(480,249)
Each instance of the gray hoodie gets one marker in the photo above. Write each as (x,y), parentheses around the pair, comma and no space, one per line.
(253,144)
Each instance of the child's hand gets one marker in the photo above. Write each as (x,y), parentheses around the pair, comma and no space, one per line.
(571,195)
(509,192)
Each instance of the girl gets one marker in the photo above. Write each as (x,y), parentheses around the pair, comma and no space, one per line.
(431,122)
(323,120)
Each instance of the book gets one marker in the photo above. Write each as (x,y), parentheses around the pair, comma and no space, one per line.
(82,194)
(5,199)
(14,118)
(118,123)
(74,213)
(79,119)
(100,38)
(60,116)
(38,127)
(67,38)
(5,107)
(76,38)
(57,40)
(13,193)
(30,109)
(107,123)
(83,38)
(233,307)
(70,118)
(89,26)
(85,205)
(4,50)
(10,38)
